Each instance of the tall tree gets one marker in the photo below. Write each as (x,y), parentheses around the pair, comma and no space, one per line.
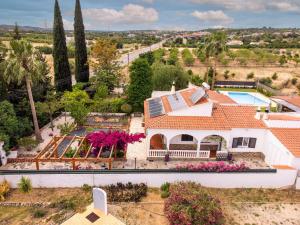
(140,86)
(215,45)
(24,63)
(81,63)
(62,73)
(16,35)
(3,86)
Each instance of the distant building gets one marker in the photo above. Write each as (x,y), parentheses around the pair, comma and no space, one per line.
(234,43)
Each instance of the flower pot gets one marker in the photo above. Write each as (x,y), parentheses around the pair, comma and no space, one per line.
(167,157)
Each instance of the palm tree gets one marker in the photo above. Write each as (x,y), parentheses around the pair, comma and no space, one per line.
(215,45)
(24,63)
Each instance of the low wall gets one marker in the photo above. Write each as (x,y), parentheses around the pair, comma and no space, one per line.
(154,178)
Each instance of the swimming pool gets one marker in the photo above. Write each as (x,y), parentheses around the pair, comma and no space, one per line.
(247,99)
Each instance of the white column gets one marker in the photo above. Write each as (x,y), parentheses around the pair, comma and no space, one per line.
(198,149)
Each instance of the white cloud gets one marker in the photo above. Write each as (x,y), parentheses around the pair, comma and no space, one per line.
(254,5)
(68,25)
(129,14)
(285,6)
(212,16)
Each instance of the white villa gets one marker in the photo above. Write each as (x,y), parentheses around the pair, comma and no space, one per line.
(198,123)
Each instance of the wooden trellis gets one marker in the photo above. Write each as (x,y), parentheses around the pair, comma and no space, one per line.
(50,152)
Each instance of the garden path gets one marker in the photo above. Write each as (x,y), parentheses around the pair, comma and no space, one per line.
(137,150)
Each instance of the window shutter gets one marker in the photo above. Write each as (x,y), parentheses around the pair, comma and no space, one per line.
(252,143)
(235,143)
(240,141)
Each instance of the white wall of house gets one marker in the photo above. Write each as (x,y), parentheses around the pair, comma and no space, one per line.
(198,134)
(259,134)
(204,109)
(276,153)
(282,123)
(282,178)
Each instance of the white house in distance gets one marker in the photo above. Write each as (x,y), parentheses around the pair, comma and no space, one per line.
(198,123)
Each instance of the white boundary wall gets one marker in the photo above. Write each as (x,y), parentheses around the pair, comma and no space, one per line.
(279,179)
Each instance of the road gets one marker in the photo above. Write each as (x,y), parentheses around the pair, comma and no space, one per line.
(131,56)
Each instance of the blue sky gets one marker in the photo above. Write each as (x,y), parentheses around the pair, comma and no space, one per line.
(156,14)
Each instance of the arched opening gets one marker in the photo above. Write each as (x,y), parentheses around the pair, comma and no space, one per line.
(158,142)
(213,143)
(183,142)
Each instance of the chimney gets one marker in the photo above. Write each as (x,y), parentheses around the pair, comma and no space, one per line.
(258,113)
(173,88)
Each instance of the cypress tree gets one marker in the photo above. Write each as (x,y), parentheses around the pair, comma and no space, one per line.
(62,73)
(16,35)
(81,64)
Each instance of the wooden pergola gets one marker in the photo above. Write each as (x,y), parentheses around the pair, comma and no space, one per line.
(51,152)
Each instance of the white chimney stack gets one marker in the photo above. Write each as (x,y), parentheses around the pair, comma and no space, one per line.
(173,90)
(258,113)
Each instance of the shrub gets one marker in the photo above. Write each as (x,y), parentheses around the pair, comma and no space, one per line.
(266,81)
(86,188)
(165,187)
(233,74)
(189,204)
(274,76)
(45,49)
(25,185)
(213,167)
(66,128)
(196,80)
(28,143)
(80,86)
(126,108)
(4,190)
(164,194)
(250,76)
(39,213)
(125,192)
(101,92)
(109,105)
(294,81)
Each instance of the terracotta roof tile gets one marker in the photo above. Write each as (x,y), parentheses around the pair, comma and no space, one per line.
(242,116)
(283,117)
(220,98)
(290,138)
(166,104)
(294,100)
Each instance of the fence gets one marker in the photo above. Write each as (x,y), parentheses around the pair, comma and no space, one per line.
(236,84)
(266,90)
(262,178)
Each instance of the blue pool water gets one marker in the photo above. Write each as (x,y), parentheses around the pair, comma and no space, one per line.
(246,98)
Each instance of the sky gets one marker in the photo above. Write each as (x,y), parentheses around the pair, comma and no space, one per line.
(156,14)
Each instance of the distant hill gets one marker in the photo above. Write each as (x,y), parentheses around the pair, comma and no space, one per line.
(5,27)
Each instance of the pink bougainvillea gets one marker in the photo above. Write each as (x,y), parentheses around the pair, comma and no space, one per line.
(119,139)
(213,167)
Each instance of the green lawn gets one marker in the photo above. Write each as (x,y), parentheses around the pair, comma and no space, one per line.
(237,89)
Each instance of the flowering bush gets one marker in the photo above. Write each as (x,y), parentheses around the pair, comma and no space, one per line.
(119,139)
(213,167)
(189,204)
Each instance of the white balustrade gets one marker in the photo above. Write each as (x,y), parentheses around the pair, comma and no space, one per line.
(178,154)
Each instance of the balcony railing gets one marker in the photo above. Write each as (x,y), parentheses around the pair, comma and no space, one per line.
(178,154)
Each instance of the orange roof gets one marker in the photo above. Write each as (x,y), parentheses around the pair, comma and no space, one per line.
(294,100)
(215,122)
(223,118)
(283,167)
(187,97)
(283,117)
(290,138)
(166,104)
(242,116)
(220,98)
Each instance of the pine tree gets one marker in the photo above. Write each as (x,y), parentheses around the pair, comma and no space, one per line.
(17,35)
(62,73)
(81,64)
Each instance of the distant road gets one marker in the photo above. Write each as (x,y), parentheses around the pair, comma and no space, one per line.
(125,59)
(131,56)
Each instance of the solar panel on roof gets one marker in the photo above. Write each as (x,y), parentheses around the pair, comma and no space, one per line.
(176,101)
(155,107)
(200,93)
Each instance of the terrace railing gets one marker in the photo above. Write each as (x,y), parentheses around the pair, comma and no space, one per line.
(180,154)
